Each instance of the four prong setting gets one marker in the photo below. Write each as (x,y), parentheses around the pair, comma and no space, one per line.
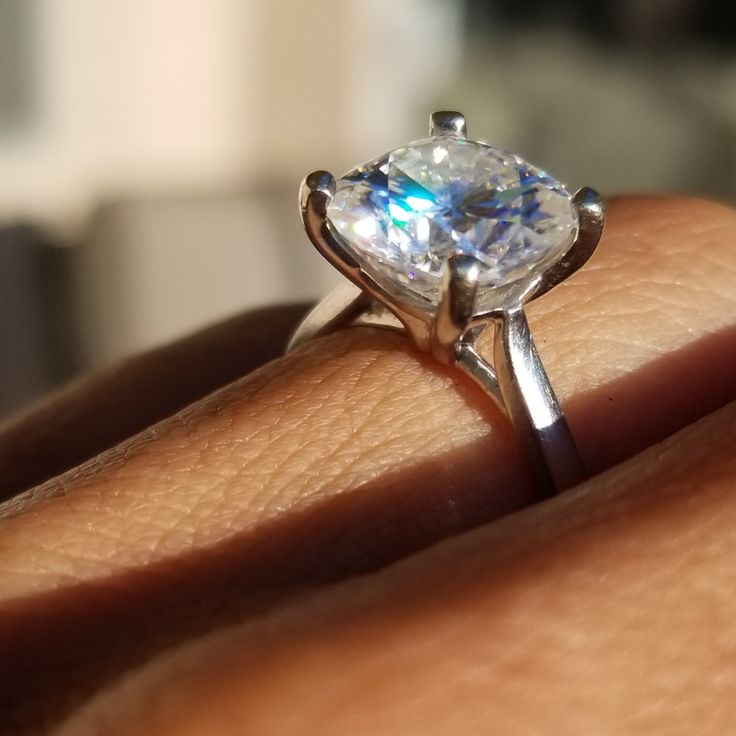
(433,275)
(457,305)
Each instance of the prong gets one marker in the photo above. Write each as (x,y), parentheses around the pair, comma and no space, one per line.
(447,122)
(455,310)
(315,194)
(320,185)
(591,217)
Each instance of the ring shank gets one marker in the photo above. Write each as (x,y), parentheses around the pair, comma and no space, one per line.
(533,408)
(517,381)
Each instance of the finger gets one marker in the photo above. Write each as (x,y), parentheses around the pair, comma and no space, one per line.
(100,411)
(606,611)
(351,453)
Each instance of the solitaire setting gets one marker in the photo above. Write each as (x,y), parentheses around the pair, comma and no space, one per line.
(445,238)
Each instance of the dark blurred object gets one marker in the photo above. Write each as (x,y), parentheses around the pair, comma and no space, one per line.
(651,22)
(38,344)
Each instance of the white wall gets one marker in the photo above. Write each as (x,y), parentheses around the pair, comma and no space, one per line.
(171,135)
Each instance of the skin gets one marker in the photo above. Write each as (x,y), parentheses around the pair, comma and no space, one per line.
(100,411)
(183,581)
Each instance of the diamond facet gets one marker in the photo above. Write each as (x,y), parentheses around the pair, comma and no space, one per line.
(402,215)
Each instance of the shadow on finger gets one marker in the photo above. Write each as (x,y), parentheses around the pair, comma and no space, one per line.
(57,648)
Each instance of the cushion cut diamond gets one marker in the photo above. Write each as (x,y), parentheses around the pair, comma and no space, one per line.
(404,214)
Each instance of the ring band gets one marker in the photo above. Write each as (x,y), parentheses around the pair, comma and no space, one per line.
(445,238)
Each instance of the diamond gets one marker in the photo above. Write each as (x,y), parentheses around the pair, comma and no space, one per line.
(402,215)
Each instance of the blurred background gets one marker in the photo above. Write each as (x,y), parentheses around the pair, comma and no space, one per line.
(151,150)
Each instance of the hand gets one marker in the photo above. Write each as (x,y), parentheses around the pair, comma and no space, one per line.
(178,583)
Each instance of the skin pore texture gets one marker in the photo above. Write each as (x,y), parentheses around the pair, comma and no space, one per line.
(610,612)
(605,610)
(97,412)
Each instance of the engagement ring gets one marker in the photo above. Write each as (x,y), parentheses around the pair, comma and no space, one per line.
(447,237)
